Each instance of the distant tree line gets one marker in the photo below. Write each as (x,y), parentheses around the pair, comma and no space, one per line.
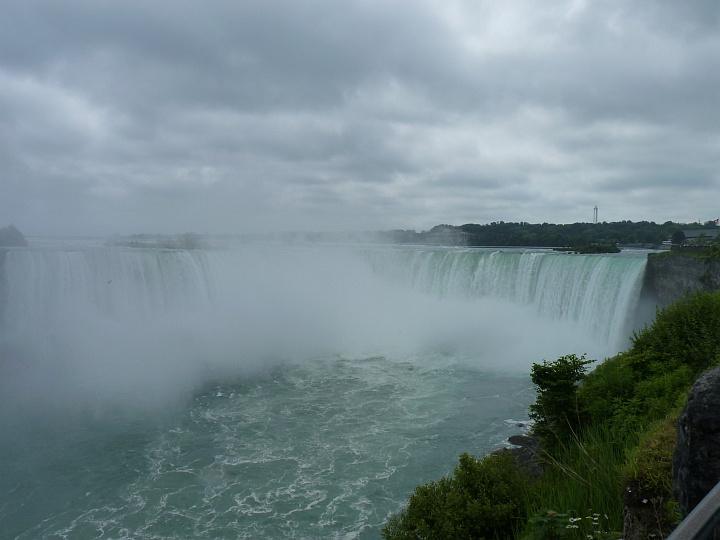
(503,233)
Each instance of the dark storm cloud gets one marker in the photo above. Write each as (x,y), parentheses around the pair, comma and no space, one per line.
(226,116)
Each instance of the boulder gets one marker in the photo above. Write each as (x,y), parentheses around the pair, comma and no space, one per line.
(696,462)
(526,453)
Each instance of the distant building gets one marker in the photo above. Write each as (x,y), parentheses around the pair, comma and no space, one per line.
(699,237)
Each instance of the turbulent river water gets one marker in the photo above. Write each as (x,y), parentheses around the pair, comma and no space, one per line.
(272,391)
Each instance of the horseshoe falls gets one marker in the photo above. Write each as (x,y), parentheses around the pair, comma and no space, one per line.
(273,391)
(599,292)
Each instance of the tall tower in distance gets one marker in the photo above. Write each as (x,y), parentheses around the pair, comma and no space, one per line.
(595,215)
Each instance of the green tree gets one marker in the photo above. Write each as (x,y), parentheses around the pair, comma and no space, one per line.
(556,411)
(482,499)
(678,237)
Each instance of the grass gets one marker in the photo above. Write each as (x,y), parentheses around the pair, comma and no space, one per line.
(584,477)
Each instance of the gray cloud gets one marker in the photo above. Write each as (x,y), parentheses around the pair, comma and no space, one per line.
(230,116)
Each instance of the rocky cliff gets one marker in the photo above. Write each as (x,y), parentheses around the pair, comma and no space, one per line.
(670,276)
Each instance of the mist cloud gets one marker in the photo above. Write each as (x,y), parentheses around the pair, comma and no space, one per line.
(126,332)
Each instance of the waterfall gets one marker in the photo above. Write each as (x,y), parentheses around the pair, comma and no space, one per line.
(598,291)
(113,326)
(42,283)
(140,383)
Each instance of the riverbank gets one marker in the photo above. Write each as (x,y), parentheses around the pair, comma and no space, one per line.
(607,440)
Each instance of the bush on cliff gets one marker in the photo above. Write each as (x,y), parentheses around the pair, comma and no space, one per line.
(627,407)
(603,431)
(556,412)
(483,498)
(685,333)
(652,379)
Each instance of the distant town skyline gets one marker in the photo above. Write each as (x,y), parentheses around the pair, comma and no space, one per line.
(228,117)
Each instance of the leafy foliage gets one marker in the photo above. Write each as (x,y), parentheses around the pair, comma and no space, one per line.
(678,237)
(481,499)
(556,412)
(572,234)
(627,409)
(685,333)
(712,251)
(643,385)
(503,233)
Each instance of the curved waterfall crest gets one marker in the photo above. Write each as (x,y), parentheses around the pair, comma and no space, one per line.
(598,291)
(42,283)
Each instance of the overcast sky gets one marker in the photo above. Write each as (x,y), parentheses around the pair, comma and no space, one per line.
(245,115)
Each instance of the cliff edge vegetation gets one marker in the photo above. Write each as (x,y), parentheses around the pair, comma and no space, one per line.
(607,438)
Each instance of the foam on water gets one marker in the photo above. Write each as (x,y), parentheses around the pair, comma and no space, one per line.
(323,449)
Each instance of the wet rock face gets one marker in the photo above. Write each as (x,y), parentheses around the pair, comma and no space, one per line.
(696,462)
(670,277)
(526,454)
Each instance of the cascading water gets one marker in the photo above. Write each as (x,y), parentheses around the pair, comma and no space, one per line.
(598,291)
(115,282)
(271,391)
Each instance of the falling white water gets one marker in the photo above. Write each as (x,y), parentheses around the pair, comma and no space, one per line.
(42,283)
(123,325)
(600,292)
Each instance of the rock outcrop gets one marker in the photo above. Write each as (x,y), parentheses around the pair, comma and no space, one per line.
(526,453)
(11,237)
(696,463)
(670,276)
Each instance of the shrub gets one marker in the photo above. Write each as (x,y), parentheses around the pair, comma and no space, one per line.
(609,385)
(678,237)
(641,386)
(555,411)
(685,333)
(481,499)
